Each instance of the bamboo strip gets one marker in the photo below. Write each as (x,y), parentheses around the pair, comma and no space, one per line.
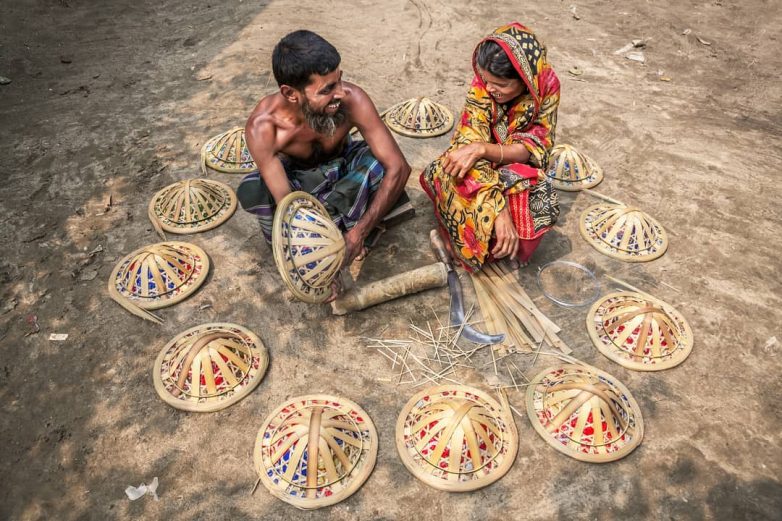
(604,197)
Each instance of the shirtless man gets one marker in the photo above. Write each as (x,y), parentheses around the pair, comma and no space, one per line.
(299,139)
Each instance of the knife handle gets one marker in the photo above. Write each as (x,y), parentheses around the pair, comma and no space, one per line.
(439,248)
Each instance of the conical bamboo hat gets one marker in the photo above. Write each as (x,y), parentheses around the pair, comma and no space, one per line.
(308,247)
(332,430)
(209,367)
(570,170)
(192,205)
(227,153)
(623,232)
(639,332)
(419,117)
(585,413)
(456,438)
(158,275)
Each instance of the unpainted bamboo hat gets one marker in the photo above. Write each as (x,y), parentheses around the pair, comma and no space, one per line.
(419,117)
(570,170)
(227,153)
(191,205)
(623,232)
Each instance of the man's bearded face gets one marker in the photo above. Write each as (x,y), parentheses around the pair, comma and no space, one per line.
(320,120)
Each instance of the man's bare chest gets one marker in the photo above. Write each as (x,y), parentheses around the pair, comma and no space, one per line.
(312,148)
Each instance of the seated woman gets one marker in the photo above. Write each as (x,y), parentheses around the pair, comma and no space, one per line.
(488,188)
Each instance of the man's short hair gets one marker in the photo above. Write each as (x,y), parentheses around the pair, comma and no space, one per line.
(301,54)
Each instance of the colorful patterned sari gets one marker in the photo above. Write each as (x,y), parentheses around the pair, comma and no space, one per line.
(467,211)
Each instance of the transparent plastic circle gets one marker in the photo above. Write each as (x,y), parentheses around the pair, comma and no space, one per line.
(568,283)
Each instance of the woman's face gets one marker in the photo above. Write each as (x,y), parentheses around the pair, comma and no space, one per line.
(502,89)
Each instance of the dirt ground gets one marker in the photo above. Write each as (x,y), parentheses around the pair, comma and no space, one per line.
(116,98)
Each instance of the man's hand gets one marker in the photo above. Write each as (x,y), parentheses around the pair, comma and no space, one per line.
(505,233)
(459,162)
(354,246)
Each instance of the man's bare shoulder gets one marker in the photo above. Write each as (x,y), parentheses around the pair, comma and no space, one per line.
(355,95)
(268,118)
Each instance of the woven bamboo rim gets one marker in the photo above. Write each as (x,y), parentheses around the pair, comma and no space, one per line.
(333,430)
(190,206)
(419,117)
(227,153)
(308,247)
(623,232)
(456,438)
(179,268)
(210,367)
(563,402)
(639,332)
(571,171)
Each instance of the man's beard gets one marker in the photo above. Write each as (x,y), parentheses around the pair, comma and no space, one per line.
(321,122)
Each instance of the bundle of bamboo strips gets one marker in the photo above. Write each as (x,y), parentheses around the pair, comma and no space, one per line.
(506,308)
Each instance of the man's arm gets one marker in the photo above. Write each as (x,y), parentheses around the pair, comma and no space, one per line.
(385,150)
(260,133)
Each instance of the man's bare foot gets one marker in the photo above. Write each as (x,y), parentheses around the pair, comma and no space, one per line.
(336,289)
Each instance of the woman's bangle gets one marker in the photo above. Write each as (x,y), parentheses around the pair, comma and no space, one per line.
(502,156)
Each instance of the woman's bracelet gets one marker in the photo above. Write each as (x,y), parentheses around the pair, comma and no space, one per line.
(502,156)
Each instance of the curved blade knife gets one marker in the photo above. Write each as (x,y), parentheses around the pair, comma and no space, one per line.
(457,300)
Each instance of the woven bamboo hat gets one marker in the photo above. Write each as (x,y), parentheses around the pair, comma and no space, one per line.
(623,232)
(190,206)
(333,431)
(156,276)
(209,367)
(570,170)
(456,438)
(639,331)
(308,247)
(585,413)
(227,153)
(419,117)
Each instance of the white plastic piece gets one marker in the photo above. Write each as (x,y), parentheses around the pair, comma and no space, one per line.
(134,493)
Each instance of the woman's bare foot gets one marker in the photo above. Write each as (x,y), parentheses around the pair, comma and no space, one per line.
(515,264)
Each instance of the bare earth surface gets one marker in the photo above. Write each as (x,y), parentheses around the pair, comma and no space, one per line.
(116,98)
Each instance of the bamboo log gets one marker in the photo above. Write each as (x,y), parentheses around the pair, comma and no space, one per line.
(432,276)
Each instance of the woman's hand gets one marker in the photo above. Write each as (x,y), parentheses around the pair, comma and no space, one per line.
(507,239)
(459,162)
